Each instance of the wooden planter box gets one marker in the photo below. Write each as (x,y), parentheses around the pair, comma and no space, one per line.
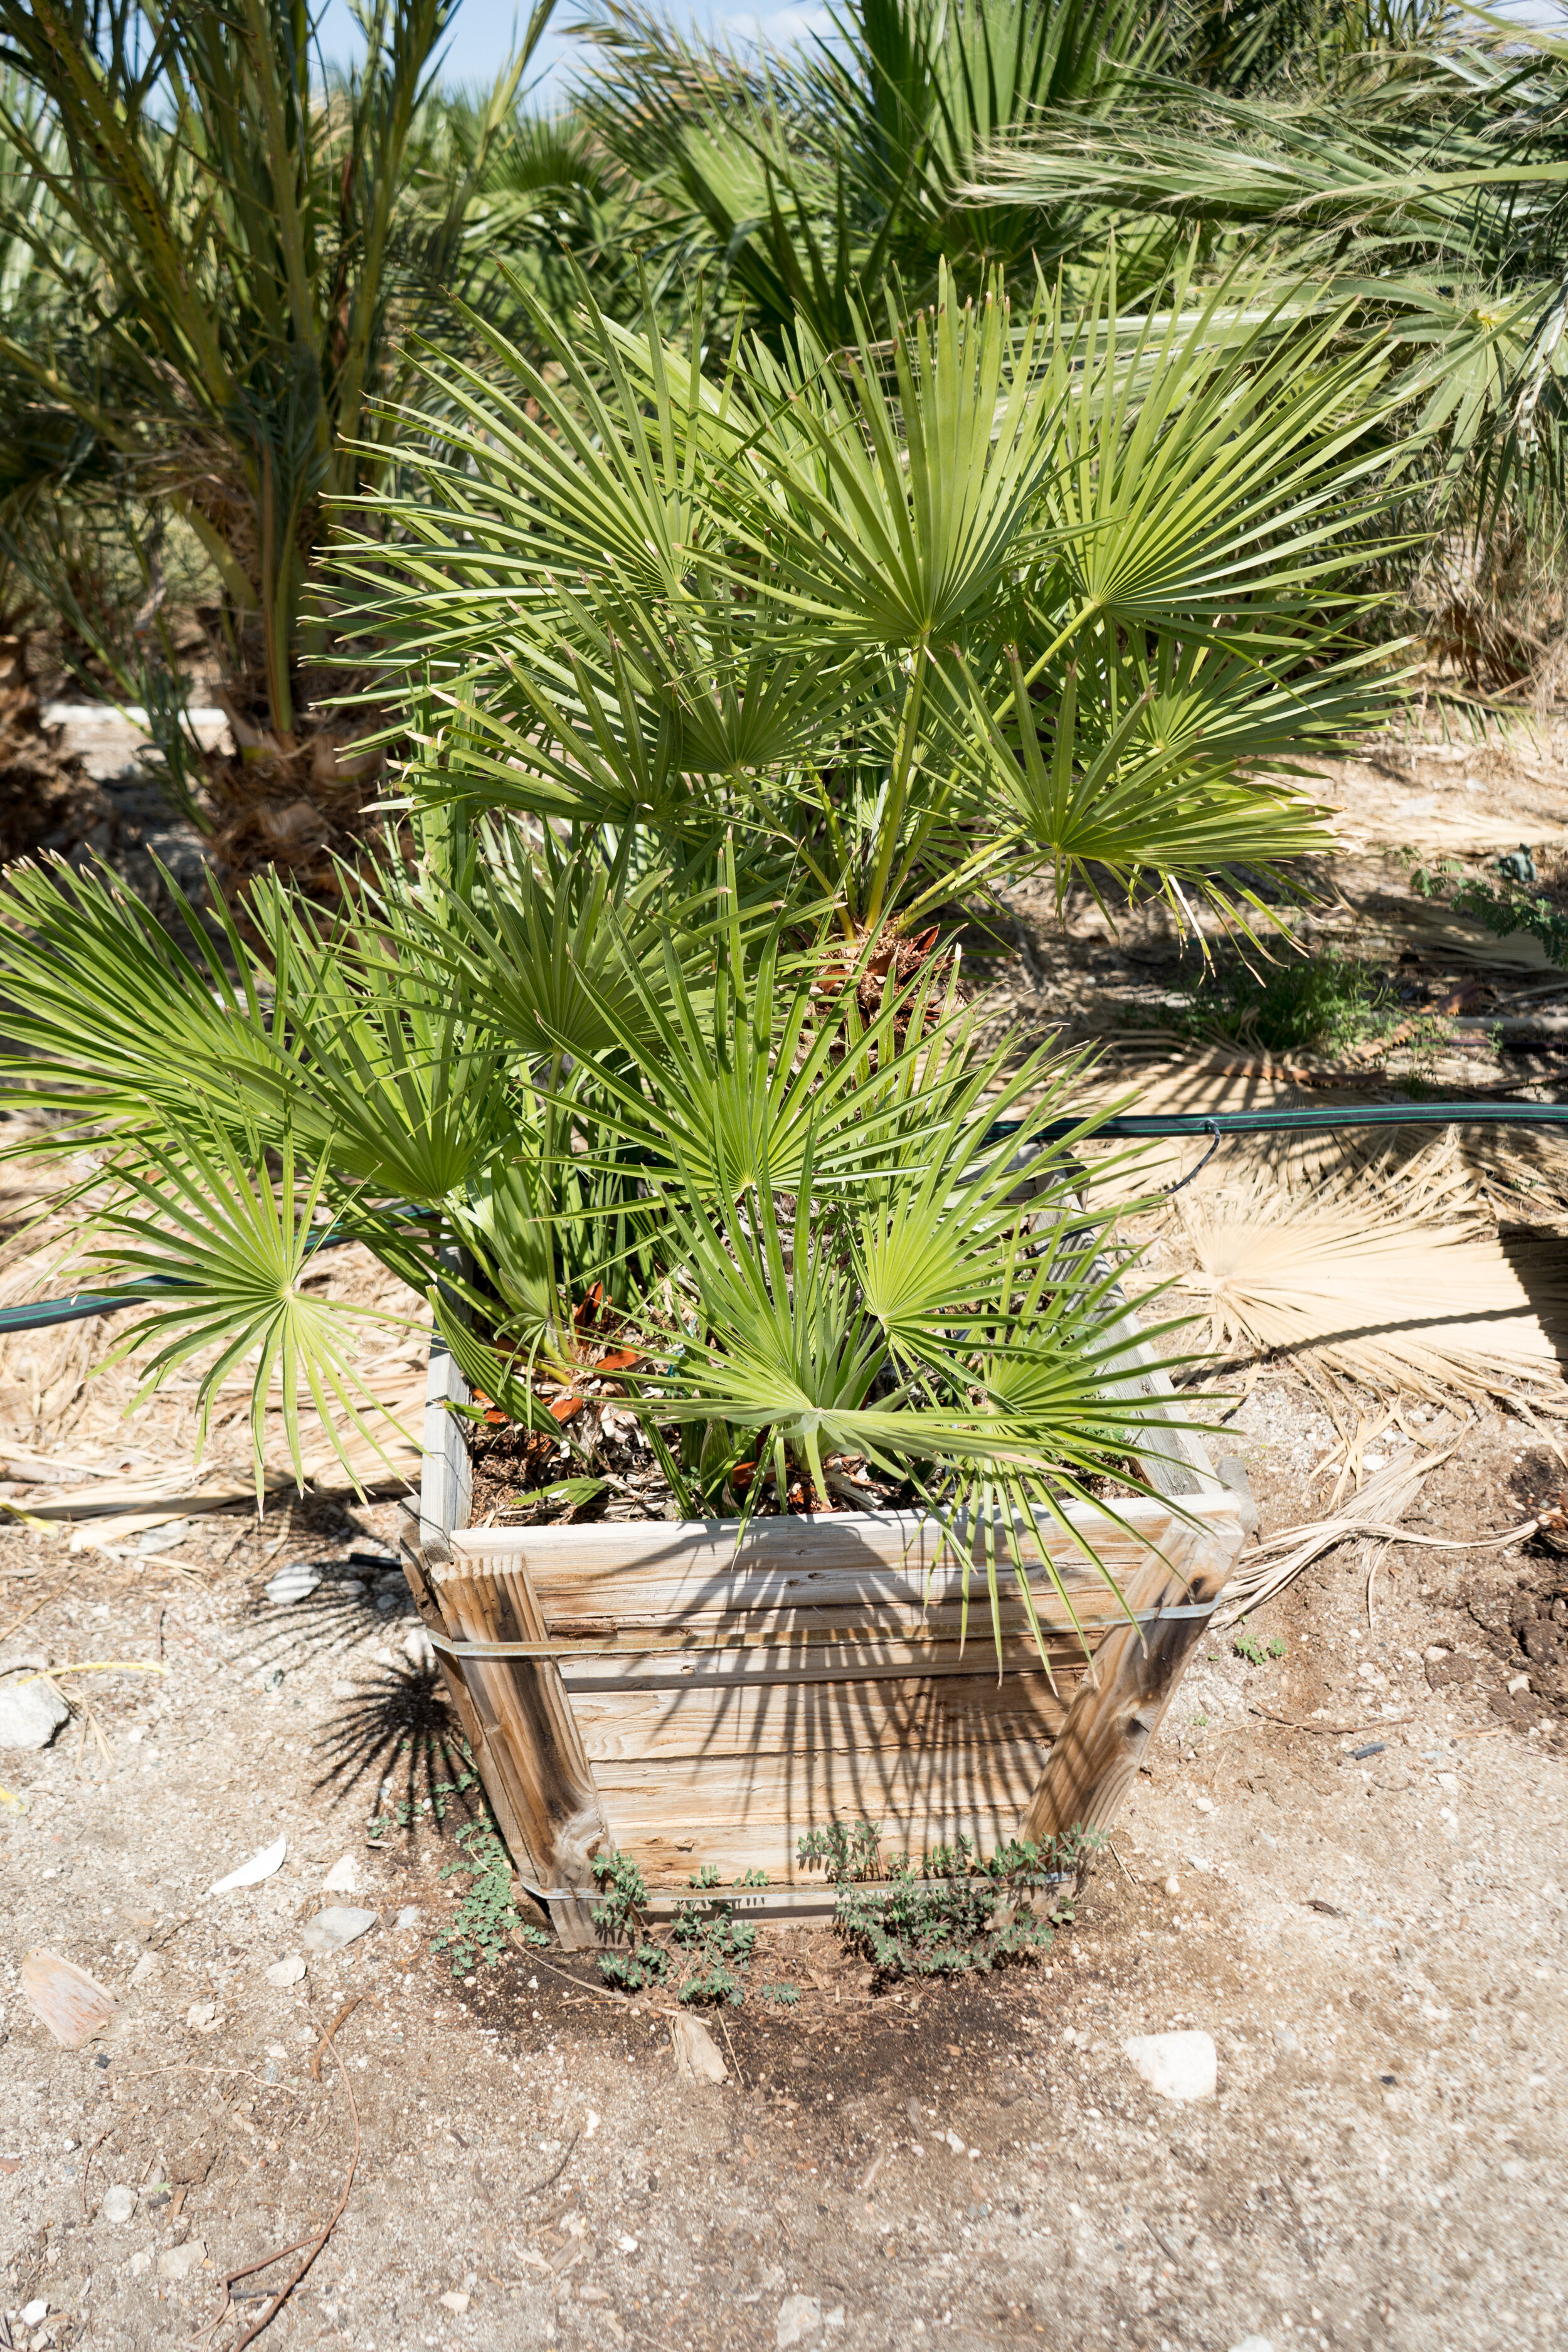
(643,1687)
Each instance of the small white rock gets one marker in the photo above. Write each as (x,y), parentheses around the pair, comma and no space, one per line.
(1286,2041)
(419,1651)
(454,2301)
(590,2123)
(1518,1683)
(800,2315)
(141,2260)
(150,1964)
(1203,1804)
(34,2314)
(1252,2344)
(179,2261)
(296,1583)
(344,1876)
(833,2318)
(30,1714)
(409,1917)
(627,2245)
(200,2015)
(1173,1884)
(285,1972)
(330,1929)
(1175,2065)
(119,2204)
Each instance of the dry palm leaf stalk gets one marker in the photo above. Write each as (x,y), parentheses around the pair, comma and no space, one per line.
(1374,1512)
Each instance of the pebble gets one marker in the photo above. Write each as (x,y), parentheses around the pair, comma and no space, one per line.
(285,1972)
(454,2301)
(409,1917)
(1173,1884)
(800,2315)
(419,1650)
(30,1714)
(1286,2041)
(200,2015)
(344,1876)
(150,1964)
(119,2204)
(179,2261)
(330,1929)
(1175,2065)
(34,2314)
(1203,1804)
(295,1583)
(1252,2344)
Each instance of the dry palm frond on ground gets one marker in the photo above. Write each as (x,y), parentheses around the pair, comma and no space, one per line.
(1385,1271)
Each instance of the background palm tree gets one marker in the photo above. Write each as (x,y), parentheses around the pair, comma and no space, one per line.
(236,251)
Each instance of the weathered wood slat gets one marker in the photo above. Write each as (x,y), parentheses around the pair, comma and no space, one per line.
(671,1568)
(759,1663)
(815,1718)
(668,1854)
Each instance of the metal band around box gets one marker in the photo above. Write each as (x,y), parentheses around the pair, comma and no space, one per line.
(601,1649)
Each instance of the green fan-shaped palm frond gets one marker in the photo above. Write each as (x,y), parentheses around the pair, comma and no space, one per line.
(220,1250)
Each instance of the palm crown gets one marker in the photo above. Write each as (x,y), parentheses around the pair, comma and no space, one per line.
(636,1071)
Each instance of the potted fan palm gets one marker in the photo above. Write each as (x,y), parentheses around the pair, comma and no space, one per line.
(775,1326)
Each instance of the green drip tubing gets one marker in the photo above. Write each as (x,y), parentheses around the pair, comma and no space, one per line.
(1127,1125)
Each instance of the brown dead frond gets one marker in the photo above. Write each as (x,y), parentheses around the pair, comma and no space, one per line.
(1376,1270)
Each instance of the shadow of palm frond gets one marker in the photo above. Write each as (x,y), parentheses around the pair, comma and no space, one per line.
(398,1734)
(334,1618)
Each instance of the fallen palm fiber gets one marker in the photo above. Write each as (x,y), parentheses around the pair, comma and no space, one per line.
(1328,1730)
(32,1609)
(1375,1510)
(310,2247)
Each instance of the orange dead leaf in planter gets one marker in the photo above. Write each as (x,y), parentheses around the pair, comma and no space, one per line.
(564,1407)
(497,1420)
(619,1363)
(66,1999)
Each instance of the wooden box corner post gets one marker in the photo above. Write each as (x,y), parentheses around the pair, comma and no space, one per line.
(515,1712)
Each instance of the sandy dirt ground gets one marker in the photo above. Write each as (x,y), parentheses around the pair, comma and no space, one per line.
(1346,1861)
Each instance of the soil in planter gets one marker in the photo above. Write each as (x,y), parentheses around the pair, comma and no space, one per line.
(529,1478)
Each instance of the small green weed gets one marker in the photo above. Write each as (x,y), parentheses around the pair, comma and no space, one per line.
(487,1915)
(1330,1002)
(715,1944)
(956,1913)
(620,1914)
(709,1950)
(1500,906)
(1249,1647)
(409,1810)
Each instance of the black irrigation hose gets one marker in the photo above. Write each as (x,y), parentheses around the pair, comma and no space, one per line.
(81,1304)
(1127,1126)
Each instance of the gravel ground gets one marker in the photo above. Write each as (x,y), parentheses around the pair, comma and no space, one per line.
(1376,1946)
